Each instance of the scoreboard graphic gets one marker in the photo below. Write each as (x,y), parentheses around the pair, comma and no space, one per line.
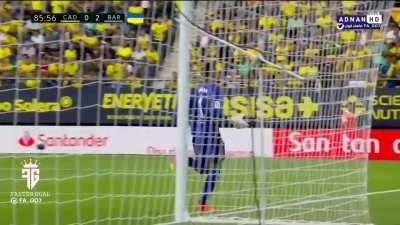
(81,17)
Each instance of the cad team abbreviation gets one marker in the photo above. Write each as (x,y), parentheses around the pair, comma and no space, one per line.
(78,18)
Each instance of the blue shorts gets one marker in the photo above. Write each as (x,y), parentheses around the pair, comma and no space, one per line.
(209,151)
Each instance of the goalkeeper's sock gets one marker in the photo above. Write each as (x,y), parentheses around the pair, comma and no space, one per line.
(192,162)
(209,185)
(196,165)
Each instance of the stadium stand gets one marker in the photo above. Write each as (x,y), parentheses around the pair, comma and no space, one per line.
(33,55)
(389,61)
(45,54)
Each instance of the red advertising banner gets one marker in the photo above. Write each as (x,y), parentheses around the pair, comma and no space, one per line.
(389,144)
(383,144)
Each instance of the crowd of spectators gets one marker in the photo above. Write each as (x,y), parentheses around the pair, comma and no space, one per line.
(389,61)
(297,36)
(67,53)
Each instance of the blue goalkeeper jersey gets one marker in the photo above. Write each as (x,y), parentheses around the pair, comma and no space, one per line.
(206,110)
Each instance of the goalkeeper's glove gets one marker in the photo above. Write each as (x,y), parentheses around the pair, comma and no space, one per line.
(251,121)
(238,122)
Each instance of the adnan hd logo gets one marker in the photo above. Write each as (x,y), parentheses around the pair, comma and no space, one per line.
(44,141)
(370,21)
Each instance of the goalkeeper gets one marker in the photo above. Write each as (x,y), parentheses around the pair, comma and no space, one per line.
(206,118)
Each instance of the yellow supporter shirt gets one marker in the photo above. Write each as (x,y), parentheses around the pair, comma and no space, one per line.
(324,21)
(178,5)
(308,70)
(211,52)
(344,65)
(143,41)
(133,82)
(9,39)
(216,24)
(58,6)
(253,53)
(26,68)
(288,66)
(394,50)
(237,54)
(348,6)
(76,38)
(124,52)
(283,48)
(219,66)
(282,52)
(267,21)
(53,69)
(269,70)
(70,54)
(15,26)
(32,83)
(48,27)
(311,52)
(230,26)
(76,83)
(348,36)
(234,38)
(319,8)
(116,71)
(152,55)
(288,8)
(5,27)
(396,15)
(376,35)
(71,68)
(5,67)
(158,31)
(90,41)
(101,27)
(37,5)
(196,66)
(358,63)
(5,11)
(5,52)
(275,38)
(11,26)
(305,8)
(72,27)
(194,53)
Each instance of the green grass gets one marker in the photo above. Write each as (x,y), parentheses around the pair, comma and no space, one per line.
(385,208)
(130,190)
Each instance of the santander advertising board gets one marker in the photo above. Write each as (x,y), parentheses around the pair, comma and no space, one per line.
(43,140)
(335,144)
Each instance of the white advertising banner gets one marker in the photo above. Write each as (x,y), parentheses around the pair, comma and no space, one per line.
(120,140)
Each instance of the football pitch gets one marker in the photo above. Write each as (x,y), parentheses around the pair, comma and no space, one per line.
(130,190)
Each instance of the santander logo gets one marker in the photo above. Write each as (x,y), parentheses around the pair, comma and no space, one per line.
(324,143)
(26,140)
(63,140)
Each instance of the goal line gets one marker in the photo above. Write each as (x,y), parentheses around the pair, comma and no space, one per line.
(221,219)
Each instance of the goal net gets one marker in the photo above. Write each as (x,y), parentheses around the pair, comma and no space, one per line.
(90,120)
(304,80)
